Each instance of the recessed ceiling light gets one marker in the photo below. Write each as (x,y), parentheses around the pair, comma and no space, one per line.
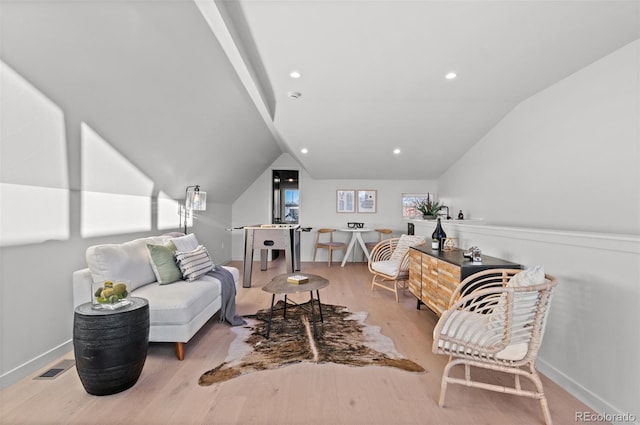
(304,150)
(294,94)
(396,151)
(451,76)
(295,74)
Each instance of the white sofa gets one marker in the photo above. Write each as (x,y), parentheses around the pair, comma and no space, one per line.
(176,310)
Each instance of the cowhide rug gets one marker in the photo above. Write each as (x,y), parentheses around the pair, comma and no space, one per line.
(343,338)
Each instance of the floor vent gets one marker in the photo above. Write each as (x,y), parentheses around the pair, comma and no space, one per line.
(57,369)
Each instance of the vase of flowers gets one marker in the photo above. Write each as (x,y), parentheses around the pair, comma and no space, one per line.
(428,209)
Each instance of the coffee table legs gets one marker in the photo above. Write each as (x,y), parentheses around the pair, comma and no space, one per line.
(313,316)
(313,312)
(319,304)
(273,299)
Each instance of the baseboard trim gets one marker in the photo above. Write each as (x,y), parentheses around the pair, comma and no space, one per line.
(583,394)
(35,364)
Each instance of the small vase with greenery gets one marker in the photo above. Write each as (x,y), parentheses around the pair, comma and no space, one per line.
(428,209)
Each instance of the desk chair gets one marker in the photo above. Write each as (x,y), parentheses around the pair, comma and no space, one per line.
(329,244)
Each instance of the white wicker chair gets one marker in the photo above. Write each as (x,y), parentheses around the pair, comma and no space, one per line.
(494,326)
(389,262)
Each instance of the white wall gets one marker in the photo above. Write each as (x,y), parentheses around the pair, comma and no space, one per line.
(567,159)
(318,206)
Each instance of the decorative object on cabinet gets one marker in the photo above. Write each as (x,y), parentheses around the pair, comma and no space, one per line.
(346,201)
(495,322)
(434,275)
(367,201)
(449,244)
(389,262)
(329,245)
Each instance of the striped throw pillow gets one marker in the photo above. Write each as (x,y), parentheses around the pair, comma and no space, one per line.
(194,264)
(405,242)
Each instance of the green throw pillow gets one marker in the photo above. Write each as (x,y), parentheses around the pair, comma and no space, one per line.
(163,263)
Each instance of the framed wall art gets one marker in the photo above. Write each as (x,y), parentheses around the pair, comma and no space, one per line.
(367,201)
(345,200)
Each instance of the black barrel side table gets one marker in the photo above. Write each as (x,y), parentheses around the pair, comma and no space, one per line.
(110,346)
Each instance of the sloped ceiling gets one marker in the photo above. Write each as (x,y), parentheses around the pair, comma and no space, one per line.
(373,72)
(151,79)
(159,83)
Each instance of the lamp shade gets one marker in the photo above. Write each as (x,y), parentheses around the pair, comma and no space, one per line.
(196,200)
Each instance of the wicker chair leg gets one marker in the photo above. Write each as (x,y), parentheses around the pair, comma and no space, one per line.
(535,378)
(443,383)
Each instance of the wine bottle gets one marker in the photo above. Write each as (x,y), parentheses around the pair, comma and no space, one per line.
(438,235)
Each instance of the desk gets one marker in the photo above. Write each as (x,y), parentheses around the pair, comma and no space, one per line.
(356,236)
(279,285)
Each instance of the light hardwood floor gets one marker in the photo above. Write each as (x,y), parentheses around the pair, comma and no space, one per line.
(168,391)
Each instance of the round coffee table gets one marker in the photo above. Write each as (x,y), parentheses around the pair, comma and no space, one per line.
(279,285)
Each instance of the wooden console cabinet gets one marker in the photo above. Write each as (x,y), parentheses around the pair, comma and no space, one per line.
(434,275)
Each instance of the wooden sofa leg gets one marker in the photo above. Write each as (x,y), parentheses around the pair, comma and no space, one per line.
(180,350)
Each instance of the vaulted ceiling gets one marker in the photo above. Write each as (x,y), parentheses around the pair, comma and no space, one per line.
(196,92)
(373,72)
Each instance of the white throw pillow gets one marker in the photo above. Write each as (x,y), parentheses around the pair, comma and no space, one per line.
(185,243)
(194,264)
(528,277)
(126,261)
(405,242)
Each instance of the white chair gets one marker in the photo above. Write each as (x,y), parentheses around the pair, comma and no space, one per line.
(389,262)
(496,321)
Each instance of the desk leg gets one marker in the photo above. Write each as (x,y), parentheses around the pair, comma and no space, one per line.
(362,245)
(352,242)
(273,298)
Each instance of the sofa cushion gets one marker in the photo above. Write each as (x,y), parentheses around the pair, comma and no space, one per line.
(194,264)
(163,262)
(126,261)
(179,303)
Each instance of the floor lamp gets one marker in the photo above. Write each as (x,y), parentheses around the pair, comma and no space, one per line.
(194,200)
